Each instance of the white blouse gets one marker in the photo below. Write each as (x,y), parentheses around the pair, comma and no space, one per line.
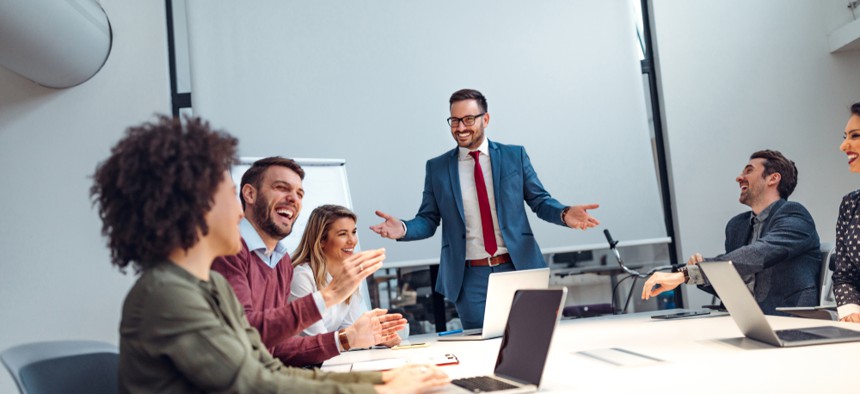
(334,318)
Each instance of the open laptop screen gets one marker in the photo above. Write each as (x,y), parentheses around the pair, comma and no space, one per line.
(500,292)
(528,334)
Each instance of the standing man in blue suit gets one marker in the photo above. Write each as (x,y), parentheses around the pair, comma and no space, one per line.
(477,191)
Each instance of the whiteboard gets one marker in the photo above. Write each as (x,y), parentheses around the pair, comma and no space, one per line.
(370,81)
(325,182)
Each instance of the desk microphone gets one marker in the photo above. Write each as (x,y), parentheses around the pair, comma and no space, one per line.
(618,258)
(634,274)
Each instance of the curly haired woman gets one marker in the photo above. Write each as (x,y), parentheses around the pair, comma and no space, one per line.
(169,207)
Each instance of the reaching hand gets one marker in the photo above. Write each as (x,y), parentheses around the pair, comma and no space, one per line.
(391,228)
(412,378)
(696,258)
(666,280)
(355,269)
(577,217)
(374,327)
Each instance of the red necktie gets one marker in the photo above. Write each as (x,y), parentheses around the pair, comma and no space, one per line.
(484,206)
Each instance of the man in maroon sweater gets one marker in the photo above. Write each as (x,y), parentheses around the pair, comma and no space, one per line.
(271,195)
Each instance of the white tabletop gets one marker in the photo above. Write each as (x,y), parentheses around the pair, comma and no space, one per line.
(700,354)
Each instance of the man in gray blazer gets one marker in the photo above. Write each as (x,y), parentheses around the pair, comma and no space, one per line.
(774,247)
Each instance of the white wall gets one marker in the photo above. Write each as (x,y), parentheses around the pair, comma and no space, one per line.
(373,90)
(56,281)
(738,76)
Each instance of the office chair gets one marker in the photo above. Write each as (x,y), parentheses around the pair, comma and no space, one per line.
(828,264)
(63,367)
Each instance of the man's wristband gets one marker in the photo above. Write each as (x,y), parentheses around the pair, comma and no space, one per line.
(564,212)
(344,341)
(693,275)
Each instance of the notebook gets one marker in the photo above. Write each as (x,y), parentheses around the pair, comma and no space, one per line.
(525,344)
(500,292)
(751,320)
(386,364)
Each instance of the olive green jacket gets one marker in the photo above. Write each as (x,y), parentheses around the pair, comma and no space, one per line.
(180,334)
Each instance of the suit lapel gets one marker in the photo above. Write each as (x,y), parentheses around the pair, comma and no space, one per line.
(454,175)
(747,231)
(496,166)
(773,211)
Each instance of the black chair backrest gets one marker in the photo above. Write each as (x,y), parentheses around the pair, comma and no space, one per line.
(828,264)
(83,373)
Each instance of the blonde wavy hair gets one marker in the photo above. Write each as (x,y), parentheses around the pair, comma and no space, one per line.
(310,249)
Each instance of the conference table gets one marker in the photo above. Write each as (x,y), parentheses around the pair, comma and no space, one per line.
(633,352)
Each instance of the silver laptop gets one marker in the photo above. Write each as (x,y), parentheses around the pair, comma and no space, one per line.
(500,292)
(525,345)
(751,320)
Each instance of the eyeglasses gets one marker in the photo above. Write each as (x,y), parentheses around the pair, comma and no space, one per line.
(467,120)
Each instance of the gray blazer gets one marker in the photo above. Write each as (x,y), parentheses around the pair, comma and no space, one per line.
(785,260)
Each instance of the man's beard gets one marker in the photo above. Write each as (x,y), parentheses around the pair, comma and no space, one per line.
(263,216)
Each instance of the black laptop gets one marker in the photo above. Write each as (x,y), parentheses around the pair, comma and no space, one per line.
(525,344)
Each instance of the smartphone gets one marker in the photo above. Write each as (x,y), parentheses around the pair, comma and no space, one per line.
(681,314)
(410,346)
(447,359)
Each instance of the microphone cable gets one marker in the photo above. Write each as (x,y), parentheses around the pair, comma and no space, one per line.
(613,243)
(631,272)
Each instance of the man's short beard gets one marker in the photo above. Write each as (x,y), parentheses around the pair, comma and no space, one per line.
(263,217)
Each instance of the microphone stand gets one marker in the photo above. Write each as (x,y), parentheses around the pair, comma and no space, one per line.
(633,273)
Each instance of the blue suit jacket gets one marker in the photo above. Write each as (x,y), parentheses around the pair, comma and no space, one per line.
(785,260)
(514,181)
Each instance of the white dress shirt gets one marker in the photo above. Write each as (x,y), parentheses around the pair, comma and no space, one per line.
(472,213)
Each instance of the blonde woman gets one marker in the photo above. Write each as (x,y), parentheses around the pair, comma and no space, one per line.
(328,240)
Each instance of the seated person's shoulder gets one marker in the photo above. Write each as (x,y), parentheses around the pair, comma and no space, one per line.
(219,281)
(241,261)
(851,198)
(303,281)
(794,206)
(239,267)
(164,293)
(164,278)
(302,268)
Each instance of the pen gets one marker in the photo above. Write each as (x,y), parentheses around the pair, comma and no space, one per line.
(443,333)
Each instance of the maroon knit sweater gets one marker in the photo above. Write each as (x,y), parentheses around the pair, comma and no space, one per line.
(265,292)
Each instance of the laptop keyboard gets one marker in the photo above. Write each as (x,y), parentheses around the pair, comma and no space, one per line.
(481,384)
(796,335)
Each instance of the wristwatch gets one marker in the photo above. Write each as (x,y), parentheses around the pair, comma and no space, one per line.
(344,341)
(686,273)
